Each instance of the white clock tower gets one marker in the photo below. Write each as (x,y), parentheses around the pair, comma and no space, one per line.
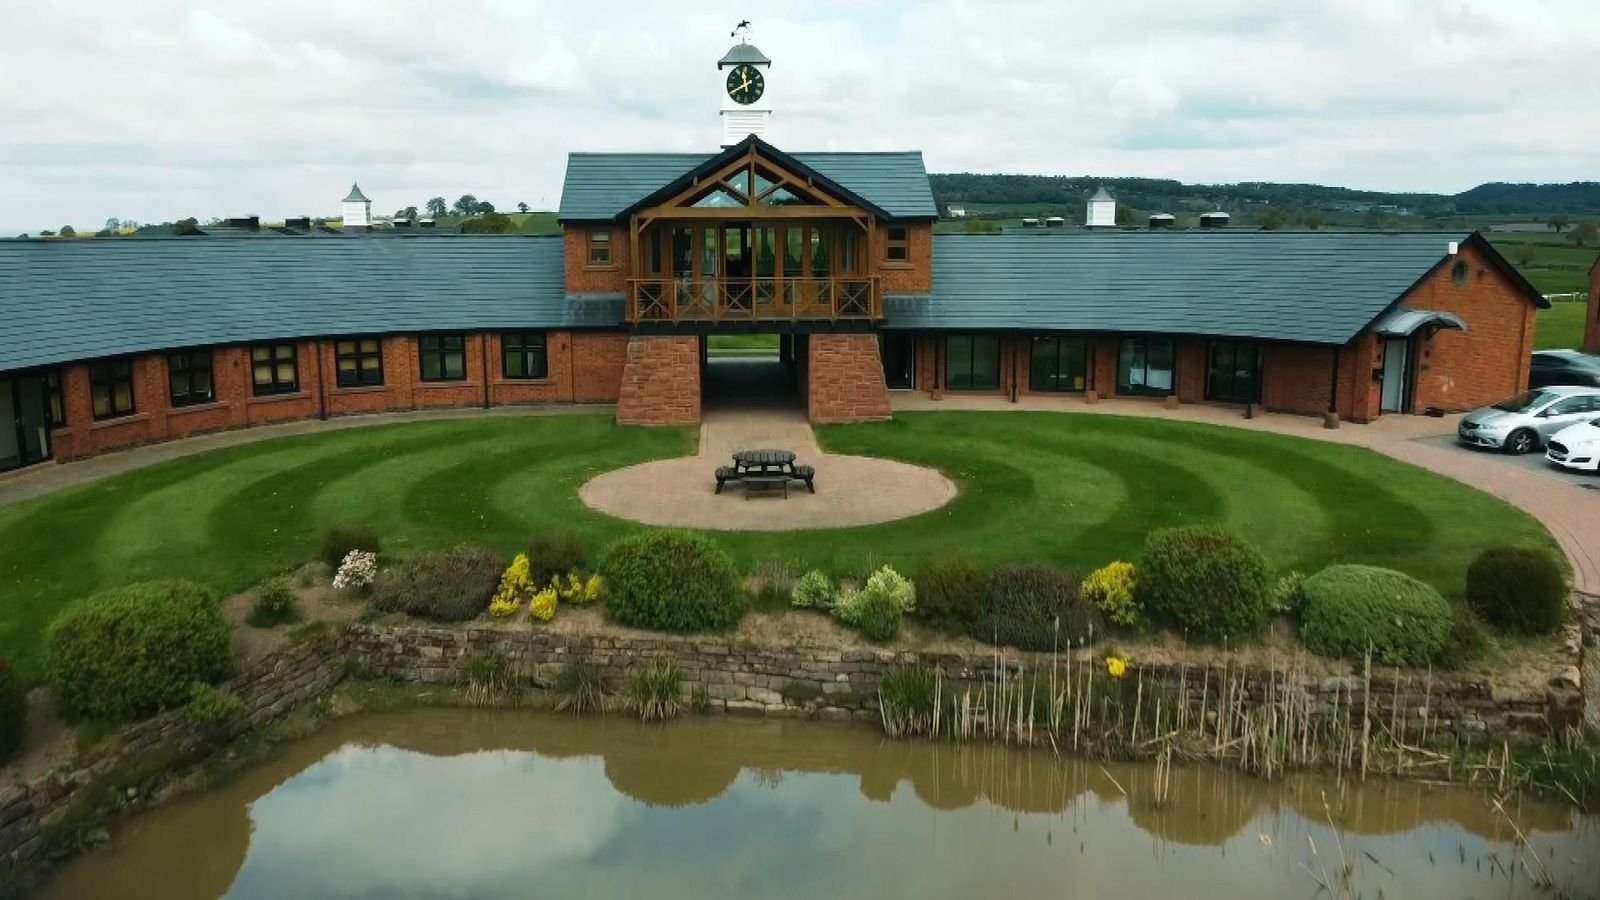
(743,76)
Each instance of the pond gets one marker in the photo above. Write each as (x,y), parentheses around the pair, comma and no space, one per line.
(488,804)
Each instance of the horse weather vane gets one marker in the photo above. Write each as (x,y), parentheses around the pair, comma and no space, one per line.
(744,26)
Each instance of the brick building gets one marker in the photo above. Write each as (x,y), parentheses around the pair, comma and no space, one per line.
(115,342)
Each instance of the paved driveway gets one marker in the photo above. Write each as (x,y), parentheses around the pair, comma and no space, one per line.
(1532,462)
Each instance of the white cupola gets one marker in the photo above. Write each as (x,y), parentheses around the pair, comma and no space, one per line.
(357,209)
(742,78)
(1102,211)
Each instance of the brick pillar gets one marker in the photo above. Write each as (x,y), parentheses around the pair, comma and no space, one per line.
(660,381)
(1591,321)
(844,382)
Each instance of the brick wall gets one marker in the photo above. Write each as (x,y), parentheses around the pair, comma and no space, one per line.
(844,379)
(661,381)
(1457,370)
(583,278)
(585,367)
(913,276)
(1591,322)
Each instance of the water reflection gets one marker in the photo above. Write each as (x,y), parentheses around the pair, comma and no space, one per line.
(452,803)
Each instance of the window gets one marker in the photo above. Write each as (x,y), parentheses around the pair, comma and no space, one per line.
(599,247)
(898,247)
(189,377)
(274,369)
(359,362)
(523,355)
(972,362)
(1459,272)
(1057,364)
(1144,366)
(1233,372)
(55,405)
(444,357)
(111,388)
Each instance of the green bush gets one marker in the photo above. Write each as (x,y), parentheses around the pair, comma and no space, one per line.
(876,614)
(1349,608)
(553,555)
(1205,583)
(814,590)
(1025,603)
(1468,642)
(13,711)
(275,605)
(1518,589)
(950,593)
(671,581)
(1289,594)
(338,541)
(211,708)
(446,586)
(131,651)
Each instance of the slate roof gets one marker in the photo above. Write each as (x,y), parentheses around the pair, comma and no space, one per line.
(1315,287)
(355,195)
(742,53)
(62,301)
(599,186)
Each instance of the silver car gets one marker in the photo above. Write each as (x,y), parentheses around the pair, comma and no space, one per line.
(1523,423)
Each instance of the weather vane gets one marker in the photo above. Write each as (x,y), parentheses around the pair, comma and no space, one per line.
(744,26)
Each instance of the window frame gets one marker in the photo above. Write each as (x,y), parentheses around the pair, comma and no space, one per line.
(358,376)
(521,344)
(972,384)
(1142,345)
(1213,394)
(190,397)
(1059,340)
(274,386)
(55,400)
(901,244)
(443,352)
(102,375)
(599,240)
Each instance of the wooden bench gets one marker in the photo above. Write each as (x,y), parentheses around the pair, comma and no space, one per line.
(726,474)
(805,474)
(765,484)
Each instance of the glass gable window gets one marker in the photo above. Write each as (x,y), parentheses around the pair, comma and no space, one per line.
(444,357)
(1144,366)
(1057,364)
(360,362)
(274,369)
(523,355)
(972,362)
(1233,372)
(111,388)
(189,378)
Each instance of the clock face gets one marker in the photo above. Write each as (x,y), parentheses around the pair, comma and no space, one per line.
(745,84)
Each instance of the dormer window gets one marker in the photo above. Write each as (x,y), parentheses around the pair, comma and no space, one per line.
(599,254)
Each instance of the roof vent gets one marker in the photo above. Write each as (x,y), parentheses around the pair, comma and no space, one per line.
(400,223)
(302,223)
(1163,220)
(1030,223)
(1455,247)
(1055,222)
(1214,220)
(243,223)
(426,223)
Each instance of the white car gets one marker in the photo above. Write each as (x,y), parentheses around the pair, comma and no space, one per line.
(1576,447)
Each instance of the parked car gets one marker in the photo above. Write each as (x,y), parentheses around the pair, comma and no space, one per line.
(1552,367)
(1576,447)
(1523,423)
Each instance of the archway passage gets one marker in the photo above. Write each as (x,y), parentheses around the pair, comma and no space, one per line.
(753,372)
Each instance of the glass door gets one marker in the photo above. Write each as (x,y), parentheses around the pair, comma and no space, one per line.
(899,353)
(24,427)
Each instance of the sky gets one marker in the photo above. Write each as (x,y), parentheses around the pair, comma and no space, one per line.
(159,109)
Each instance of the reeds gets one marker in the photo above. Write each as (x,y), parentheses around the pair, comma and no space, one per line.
(490,680)
(654,691)
(581,689)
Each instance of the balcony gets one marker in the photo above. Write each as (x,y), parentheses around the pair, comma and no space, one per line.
(758,299)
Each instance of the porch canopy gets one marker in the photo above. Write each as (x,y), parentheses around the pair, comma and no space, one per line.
(1404,322)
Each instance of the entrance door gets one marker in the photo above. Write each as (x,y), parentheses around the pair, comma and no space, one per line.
(1396,371)
(899,352)
(24,432)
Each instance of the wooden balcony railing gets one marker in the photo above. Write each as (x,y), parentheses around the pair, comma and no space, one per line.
(754,299)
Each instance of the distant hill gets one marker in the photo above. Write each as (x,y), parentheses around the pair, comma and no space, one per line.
(1061,193)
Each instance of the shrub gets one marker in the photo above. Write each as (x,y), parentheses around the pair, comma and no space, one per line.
(516,588)
(1349,608)
(654,691)
(814,590)
(134,650)
(575,588)
(210,708)
(357,572)
(551,556)
(13,711)
(338,541)
(908,699)
(543,605)
(1111,589)
(446,585)
(877,614)
(275,605)
(581,689)
(899,590)
(1468,642)
(950,593)
(1518,589)
(1289,594)
(1204,582)
(1026,603)
(671,581)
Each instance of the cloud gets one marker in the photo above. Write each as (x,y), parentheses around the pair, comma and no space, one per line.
(157,111)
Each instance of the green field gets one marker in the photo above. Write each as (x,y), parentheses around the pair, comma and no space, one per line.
(742,345)
(1549,260)
(1560,327)
(1075,490)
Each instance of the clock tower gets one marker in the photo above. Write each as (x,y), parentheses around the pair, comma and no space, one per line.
(743,80)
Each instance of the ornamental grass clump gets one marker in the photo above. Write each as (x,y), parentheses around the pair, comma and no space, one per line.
(135,650)
(1111,589)
(671,581)
(1352,609)
(274,605)
(1205,583)
(655,691)
(581,689)
(1518,589)
(516,588)
(490,680)
(356,573)
(13,711)
(451,585)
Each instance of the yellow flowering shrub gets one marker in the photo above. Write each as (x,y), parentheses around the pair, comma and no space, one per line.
(516,585)
(543,605)
(1116,667)
(575,588)
(593,586)
(1111,589)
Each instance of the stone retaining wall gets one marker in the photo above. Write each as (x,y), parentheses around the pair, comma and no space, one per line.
(52,815)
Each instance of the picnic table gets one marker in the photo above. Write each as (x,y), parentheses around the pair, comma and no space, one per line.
(765,471)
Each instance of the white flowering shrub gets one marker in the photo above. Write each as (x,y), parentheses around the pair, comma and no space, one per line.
(357,572)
